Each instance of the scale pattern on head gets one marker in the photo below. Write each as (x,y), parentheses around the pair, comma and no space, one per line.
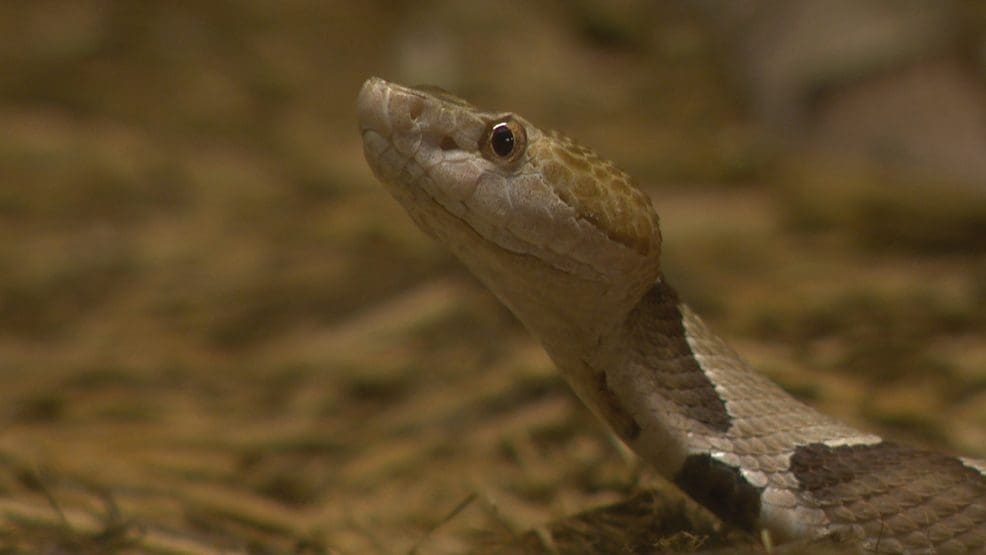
(600,193)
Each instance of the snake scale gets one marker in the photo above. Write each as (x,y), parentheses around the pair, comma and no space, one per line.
(572,247)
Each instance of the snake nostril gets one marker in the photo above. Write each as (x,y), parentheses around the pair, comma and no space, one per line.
(448,143)
(415,110)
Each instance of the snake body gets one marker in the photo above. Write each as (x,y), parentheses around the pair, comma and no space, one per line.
(572,247)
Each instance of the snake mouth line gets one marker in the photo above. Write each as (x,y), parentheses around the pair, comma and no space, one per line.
(419,191)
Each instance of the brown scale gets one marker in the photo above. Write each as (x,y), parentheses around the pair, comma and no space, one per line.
(599,192)
(889,491)
(656,327)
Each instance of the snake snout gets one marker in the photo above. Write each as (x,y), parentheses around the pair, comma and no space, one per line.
(371,107)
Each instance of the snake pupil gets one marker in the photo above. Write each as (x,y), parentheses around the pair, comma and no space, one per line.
(502,140)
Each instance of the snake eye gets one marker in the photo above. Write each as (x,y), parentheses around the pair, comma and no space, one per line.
(504,140)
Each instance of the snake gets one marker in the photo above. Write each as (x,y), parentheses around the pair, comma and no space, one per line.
(571,245)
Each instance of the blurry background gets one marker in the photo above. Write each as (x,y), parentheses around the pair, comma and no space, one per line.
(217,331)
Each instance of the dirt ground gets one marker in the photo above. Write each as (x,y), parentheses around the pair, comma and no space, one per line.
(218,334)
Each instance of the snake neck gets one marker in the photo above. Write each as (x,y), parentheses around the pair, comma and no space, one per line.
(574,318)
(643,358)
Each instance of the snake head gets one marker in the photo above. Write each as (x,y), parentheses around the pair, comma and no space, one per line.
(530,212)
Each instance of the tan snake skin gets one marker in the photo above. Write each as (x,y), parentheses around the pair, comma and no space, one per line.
(572,247)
